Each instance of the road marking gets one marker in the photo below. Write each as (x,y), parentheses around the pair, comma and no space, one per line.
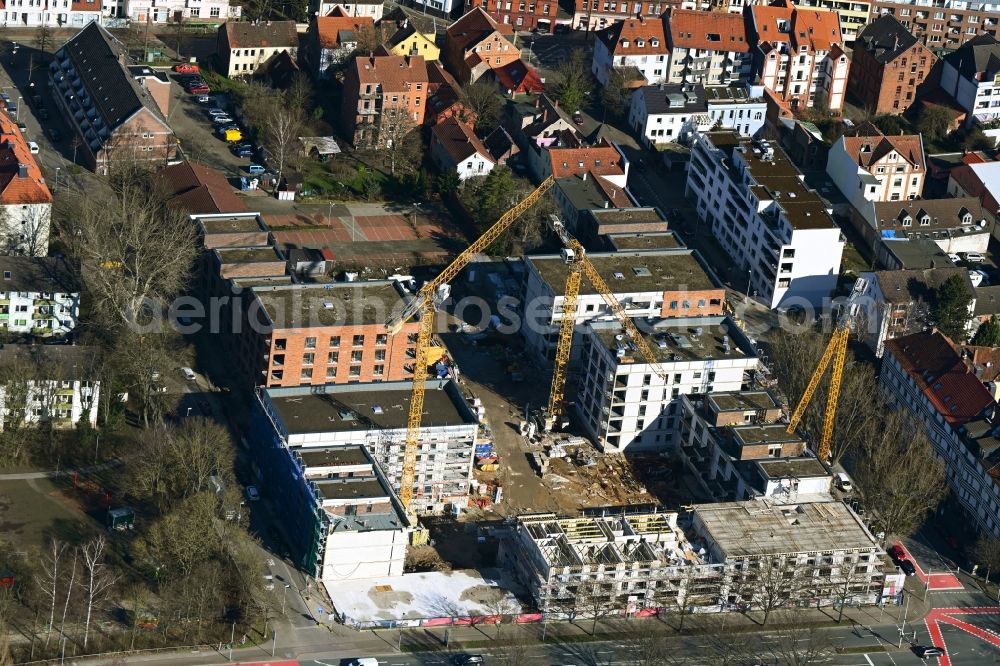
(869,660)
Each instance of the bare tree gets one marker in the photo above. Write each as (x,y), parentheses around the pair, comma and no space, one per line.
(25,231)
(801,647)
(900,475)
(515,651)
(280,136)
(499,603)
(844,585)
(69,591)
(397,135)
(97,579)
(987,554)
(768,583)
(178,462)
(75,142)
(16,399)
(47,581)
(6,658)
(481,103)
(140,359)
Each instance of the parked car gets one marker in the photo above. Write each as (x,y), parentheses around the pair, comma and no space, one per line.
(33,147)
(203,99)
(973,257)
(222,120)
(252,493)
(23,128)
(188,373)
(186,68)
(908,567)
(199,90)
(896,552)
(468,659)
(256,169)
(216,111)
(242,151)
(578,118)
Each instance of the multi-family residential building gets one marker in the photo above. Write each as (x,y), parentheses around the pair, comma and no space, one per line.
(638,43)
(522,14)
(867,166)
(380,94)
(374,416)
(39,296)
(156,83)
(158,11)
(672,112)
(943,27)
(888,65)
(104,105)
(772,226)
(476,43)
(409,41)
(599,14)
(334,333)
(602,159)
(957,225)
(54,384)
(340,515)
(25,199)
(517,78)
(371,8)
(243,46)
(924,374)
(710,48)
(579,193)
(853,14)
(971,75)
(799,55)
(456,148)
(895,303)
(737,447)
(978,179)
(626,404)
(652,284)
(331,39)
(51,13)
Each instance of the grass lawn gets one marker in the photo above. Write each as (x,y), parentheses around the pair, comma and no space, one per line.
(32,510)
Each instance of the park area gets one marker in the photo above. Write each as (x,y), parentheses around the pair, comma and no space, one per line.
(33,510)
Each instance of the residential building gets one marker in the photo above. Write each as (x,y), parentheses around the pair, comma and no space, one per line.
(456,148)
(105,106)
(741,108)
(737,447)
(244,46)
(942,28)
(867,166)
(799,55)
(924,374)
(658,240)
(200,189)
(578,194)
(956,225)
(710,48)
(575,159)
(911,252)
(980,179)
(896,303)
(537,123)
(340,515)
(52,13)
(888,65)
(408,41)
(55,384)
(627,404)
(25,199)
(853,14)
(171,11)
(39,296)
(333,333)
(476,43)
(517,78)
(599,14)
(157,83)
(772,226)
(638,43)
(526,15)
(374,416)
(667,113)
(331,39)
(381,94)
(652,284)
(371,8)
(231,230)
(599,227)
(971,75)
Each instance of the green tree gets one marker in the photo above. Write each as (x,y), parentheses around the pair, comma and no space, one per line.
(976,139)
(482,105)
(934,122)
(572,80)
(988,334)
(614,96)
(950,308)
(891,125)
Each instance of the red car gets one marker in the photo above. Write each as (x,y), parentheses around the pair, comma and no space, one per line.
(897,553)
(186,68)
(199,90)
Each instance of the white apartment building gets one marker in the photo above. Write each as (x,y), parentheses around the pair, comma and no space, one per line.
(635,42)
(39,296)
(672,112)
(759,209)
(867,165)
(710,48)
(242,46)
(51,13)
(196,11)
(47,384)
(971,75)
(371,8)
(740,108)
(374,416)
(656,284)
(627,404)
(924,374)
(799,55)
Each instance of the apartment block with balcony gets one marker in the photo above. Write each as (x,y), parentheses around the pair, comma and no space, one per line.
(39,296)
(55,384)
(757,205)
(854,14)
(105,106)
(652,283)
(710,48)
(626,405)
(971,75)
(943,25)
(173,11)
(25,198)
(313,418)
(636,43)
(380,94)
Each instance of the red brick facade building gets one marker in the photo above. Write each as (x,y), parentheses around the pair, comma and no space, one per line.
(599,14)
(476,43)
(373,86)
(521,14)
(940,27)
(888,66)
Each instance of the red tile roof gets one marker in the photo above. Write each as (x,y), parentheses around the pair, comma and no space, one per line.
(459,141)
(817,29)
(910,146)
(932,362)
(971,183)
(14,152)
(328,27)
(471,28)
(200,189)
(602,160)
(718,31)
(393,72)
(519,77)
(625,37)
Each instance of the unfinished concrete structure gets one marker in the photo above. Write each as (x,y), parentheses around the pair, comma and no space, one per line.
(374,415)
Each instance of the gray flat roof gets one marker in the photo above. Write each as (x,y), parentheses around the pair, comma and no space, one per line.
(333,456)
(583,194)
(630,215)
(917,253)
(331,304)
(230,224)
(639,241)
(352,407)
(630,272)
(742,401)
(676,339)
(69,362)
(792,467)
(248,255)
(775,433)
(350,489)
(763,527)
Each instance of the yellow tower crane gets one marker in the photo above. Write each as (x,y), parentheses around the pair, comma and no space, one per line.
(835,353)
(423,302)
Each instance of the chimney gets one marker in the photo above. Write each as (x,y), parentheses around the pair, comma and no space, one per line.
(585,175)
(22,170)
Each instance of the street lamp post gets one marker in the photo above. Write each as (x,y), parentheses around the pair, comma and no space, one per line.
(283,592)
(19,99)
(749,280)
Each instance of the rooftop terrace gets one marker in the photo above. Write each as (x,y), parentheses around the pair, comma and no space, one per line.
(336,456)
(658,241)
(742,401)
(677,340)
(631,272)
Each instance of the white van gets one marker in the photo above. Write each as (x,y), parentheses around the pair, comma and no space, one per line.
(364,661)
(843,482)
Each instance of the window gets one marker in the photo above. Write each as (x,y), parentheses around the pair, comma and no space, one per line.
(355,371)
(331,373)
(310,343)
(379,354)
(381,339)
(359,341)
(214,12)
(334,340)
(378,370)
(332,358)
(356,356)
(308,359)
(307,373)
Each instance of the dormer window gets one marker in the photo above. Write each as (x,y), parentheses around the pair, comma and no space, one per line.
(907,221)
(625,43)
(654,43)
(966,217)
(640,43)
(925,221)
